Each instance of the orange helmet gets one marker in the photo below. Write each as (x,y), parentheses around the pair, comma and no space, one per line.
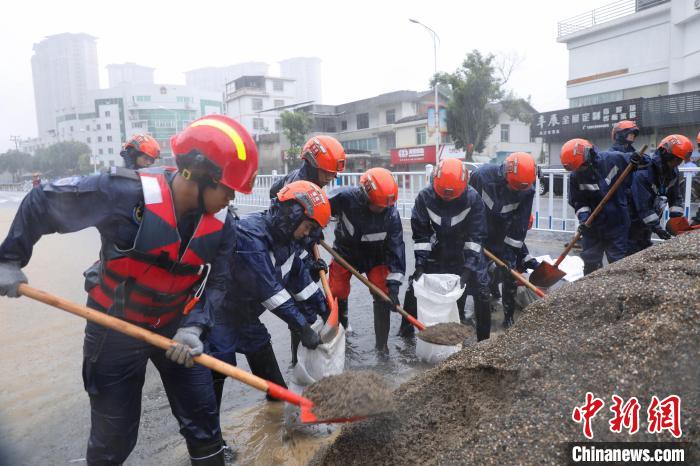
(324,152)
(575,152)
(312,198)
(520,171)
(226,144)
(145,144)
(624,126)
(380,186)
(450,179)
(678,145)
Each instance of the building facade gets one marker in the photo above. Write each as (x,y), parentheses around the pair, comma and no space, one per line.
(306,71)
(129,73)
(214,79)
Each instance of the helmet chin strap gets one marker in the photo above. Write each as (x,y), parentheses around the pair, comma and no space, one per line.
(203,182)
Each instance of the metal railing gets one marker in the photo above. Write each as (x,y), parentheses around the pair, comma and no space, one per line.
(604,14)
(551,209)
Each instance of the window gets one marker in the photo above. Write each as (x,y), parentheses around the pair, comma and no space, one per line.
(109,138)
(144,98)
(277,85)
(108,126)
(421,138)
(101,152)
(107,113)
(258,123)
(110,151)
(278,125)
(184,99)
(89,139)
(279,103)
(111,163)
(71,129)
(390,116)
(99,127)
(363,145)
(343,125)
(257,104)
(362,120)
(505,132)
(99,138)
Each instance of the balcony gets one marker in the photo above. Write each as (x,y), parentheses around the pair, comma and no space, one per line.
(604,14)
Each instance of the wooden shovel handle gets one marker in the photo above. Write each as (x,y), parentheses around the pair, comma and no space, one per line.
(514,273)
(372,287)
(333,318)
(160,341)
(599,207)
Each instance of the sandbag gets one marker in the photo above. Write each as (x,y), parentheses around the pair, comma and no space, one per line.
(327,359)
(436,298)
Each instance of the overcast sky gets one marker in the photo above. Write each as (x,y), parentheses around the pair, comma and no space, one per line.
(366,47)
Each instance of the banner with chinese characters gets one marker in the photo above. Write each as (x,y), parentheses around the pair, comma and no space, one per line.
(585,122)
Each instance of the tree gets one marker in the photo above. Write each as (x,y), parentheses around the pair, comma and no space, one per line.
(63,159)
(15,162)
(477,83)
(295,126)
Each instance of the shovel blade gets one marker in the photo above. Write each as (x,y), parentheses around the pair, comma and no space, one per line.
(308,416)
(546,275)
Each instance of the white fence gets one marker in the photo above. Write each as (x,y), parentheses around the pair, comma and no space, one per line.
(551,209)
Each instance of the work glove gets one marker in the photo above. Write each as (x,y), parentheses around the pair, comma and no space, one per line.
(10,277)
(636,159)
(585,230)
(661,233)
(309,338)
(316,266)
(418,272)
(187,345)
(531,264)
(393,288)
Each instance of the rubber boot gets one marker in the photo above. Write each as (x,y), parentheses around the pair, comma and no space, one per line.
(343,313)
(461,303)
(406,330)
(589,267)
(218,380)
(264,364)
(381,325)
(208,455)
(295,340)
(508,299)
(482,313)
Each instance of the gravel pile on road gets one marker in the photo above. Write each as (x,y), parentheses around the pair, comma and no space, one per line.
(630,329)
(350,394)
(450,333)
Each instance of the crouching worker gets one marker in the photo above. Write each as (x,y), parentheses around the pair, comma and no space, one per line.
(369,235)
(449,226)
(165,233)
(269,274)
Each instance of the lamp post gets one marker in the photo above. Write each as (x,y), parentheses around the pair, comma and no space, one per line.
(436,39)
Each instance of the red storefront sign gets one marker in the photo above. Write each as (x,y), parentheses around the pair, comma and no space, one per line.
(411,155)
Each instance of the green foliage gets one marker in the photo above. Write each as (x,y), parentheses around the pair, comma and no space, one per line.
(296,127)
(15,162)
(58,160)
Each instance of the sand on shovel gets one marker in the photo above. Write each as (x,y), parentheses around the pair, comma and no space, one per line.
(350,394)
(446,333)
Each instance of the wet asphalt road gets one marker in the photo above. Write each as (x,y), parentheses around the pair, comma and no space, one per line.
(44,412)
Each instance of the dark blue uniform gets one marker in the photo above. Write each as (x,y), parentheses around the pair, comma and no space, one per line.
(507,216)
(653,189)
(114,364)
(304,173)
(610,229)
(448,238)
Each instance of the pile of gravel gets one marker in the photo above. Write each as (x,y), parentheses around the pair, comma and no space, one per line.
(630,329)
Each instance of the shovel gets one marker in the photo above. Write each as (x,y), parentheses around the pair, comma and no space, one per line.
(514,273)
(330,328)
(134,331)
(372,287)
(547,274)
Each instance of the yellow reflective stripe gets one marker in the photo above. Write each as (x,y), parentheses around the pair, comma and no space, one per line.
(230,132)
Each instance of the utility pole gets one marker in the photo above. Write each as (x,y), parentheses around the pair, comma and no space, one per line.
(16,139)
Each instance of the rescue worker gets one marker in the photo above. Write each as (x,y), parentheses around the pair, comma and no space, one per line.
(141,151)
(507,191)
(623,135)
(167,235)
(270,274)
(655,188)
(369,235)
(592,175)
(449,227)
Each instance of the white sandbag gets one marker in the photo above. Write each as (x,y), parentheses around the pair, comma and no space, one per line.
(327,359)
(436,297)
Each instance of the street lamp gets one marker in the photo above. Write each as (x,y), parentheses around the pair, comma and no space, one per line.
(436,40)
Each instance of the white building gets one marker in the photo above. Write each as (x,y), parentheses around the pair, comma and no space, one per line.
(257,102)
(306,71)
(215,78)
(129,73)
(64,69)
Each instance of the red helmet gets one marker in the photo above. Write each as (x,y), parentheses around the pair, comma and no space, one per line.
(520,171)
(312,198)
(226,144)
(678,145)
(380,186)
(450,179)
(575,152)
(144,144)
(324,152)
(626,126)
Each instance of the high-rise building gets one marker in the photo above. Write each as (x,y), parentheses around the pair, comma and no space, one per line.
(64,69)
(129,73)
(215,78)
(306,71)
